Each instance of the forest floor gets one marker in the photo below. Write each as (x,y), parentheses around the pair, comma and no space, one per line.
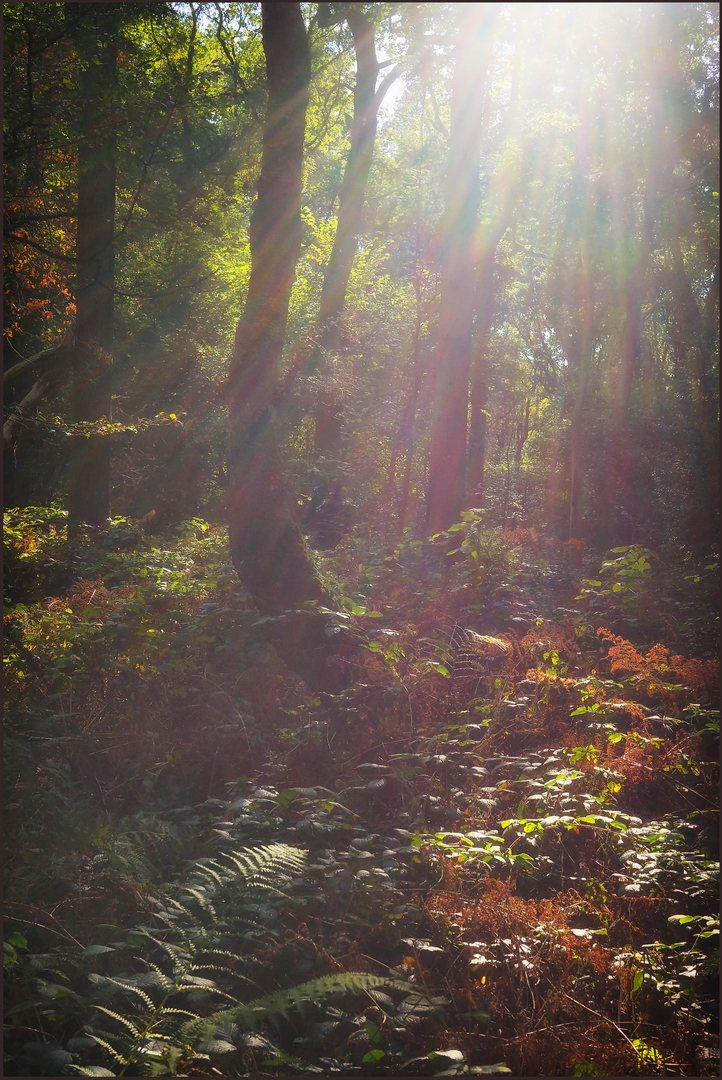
(495,852)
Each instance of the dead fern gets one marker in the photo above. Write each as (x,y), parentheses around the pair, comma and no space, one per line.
(472,655)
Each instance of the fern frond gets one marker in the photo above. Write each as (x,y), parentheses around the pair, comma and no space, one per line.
(202,900)
(132,988)
(175,952)
(121,1020)
(222,952)
(180,907)
(281,1059)
(279,1003)
(486,639)
(167,1011)
(255,864)
(208,872)
(108,1046)
(165,983)
(196,968)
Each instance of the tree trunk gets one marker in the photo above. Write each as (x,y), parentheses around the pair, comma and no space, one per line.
(694,350)
(405,437)
(330,408)
(478,413)
(618,510)
(452,355)
(267,547)
(583,348)
(89,475)
(693,330)
(350,210)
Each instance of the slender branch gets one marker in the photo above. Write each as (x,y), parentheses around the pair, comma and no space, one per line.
(41,249)
(438,122)
(13,373)
(68,25)
(603,1018)
(163,292)
(38,217)
(49,381)
(228,53)
(384,86)
(146,165)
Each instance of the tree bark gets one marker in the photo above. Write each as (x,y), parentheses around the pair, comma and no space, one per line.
(478,415)
(89,475)
(405,438)
(330,409)
(267,547)
(693,329)
(350,210)
(452,356)
(583,349)
(617,494)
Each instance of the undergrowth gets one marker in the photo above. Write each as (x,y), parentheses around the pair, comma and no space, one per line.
(496,851)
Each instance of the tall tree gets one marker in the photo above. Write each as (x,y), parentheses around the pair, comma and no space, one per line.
(684,126)
(367,100)
(89,477)
(452,359)
(267,546)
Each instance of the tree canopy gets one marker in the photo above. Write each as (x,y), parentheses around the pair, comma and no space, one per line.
(591,254)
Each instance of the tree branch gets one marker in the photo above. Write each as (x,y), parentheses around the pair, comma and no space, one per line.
(47,382)
(66,343)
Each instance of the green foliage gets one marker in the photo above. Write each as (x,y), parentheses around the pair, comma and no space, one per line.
(476,813)
(624,587)
(487,555)
(159,1014)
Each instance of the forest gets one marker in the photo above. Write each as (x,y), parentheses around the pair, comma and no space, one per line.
(361,539)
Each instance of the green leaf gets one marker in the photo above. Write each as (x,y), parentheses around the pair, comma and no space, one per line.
(373,1056)
(646,1053)
(95,950)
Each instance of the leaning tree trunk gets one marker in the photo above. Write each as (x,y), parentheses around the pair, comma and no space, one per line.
(51,370)
(89,475)
(267,547)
